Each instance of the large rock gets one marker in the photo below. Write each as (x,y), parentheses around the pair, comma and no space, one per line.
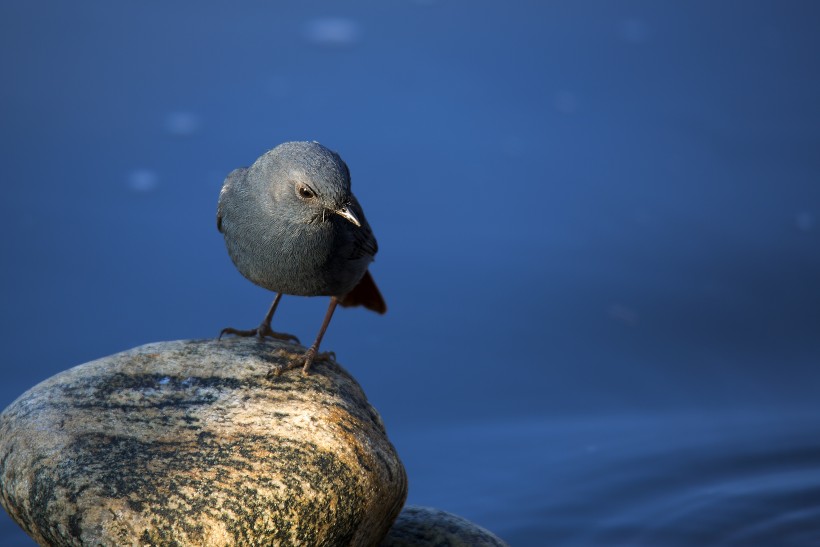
(426,526)
(191,443)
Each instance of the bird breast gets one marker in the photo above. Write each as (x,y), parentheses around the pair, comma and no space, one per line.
(306,259)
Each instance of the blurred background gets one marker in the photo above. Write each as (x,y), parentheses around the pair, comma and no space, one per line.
(599,230)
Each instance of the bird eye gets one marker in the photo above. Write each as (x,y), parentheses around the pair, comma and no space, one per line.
(305,192)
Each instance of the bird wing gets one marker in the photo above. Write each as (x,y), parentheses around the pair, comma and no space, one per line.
(232,178)
(364,242)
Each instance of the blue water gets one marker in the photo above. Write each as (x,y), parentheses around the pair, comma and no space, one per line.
(599,227)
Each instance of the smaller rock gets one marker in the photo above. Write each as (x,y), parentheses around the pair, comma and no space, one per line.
(425,526)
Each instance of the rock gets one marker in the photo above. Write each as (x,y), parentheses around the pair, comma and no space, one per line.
(189,443)
(425,526)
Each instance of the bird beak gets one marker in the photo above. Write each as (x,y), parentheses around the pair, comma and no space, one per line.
(347,214)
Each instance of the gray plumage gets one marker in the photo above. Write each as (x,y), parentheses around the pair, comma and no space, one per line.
(293,226)
(289,244)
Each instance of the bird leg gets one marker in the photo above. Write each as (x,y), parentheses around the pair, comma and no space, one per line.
(313,351)
(310,354)
(263,329)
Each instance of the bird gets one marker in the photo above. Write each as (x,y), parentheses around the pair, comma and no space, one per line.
(293,226)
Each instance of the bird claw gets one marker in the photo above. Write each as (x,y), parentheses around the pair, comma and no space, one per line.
(304,361)
(260,332)
(311,355)
(267,331)
(231,330)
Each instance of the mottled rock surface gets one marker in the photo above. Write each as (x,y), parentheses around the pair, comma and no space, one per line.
(425,526)
(189,443)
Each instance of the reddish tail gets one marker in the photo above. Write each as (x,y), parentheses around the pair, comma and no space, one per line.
(366,294)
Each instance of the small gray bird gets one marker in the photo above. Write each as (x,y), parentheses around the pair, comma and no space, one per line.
(292,225)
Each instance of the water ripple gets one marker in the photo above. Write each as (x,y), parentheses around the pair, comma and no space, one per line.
(695,479)
(699,496)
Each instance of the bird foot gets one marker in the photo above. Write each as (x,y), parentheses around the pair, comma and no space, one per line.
(260,332)
(304,361)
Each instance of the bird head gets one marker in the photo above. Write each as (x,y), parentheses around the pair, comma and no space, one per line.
(313,181)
